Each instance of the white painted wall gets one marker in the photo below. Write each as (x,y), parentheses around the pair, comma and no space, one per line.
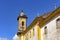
(51,28)
(20,23)
(35,37)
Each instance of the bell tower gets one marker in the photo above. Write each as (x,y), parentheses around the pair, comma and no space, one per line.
(22,22)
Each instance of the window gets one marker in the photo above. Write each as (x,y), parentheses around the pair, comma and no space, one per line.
(45,30)
(22,23)
(33,31)
(30,34)
(58,23)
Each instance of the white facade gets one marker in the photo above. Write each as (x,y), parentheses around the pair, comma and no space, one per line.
(48,30)
(51,29)
(35,36)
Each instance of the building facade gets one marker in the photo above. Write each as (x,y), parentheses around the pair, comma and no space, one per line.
(45,27)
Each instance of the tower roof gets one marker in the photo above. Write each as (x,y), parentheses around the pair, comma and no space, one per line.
(22,15)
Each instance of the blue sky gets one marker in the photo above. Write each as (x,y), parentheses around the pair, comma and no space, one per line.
(10,9)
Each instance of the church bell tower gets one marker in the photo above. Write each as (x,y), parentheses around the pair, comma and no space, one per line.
(22,22)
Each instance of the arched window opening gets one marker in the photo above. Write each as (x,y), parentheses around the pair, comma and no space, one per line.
(58,23)
(45,30)
(30,34)
(22,23)
(33,31)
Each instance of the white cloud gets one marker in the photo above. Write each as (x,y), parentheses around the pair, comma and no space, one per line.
(15,37)
(3,38)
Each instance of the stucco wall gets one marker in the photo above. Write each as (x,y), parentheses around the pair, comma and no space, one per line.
(20,23)
(35,36)
(51,28)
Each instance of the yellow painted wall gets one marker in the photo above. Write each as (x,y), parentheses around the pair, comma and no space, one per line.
(39,33)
